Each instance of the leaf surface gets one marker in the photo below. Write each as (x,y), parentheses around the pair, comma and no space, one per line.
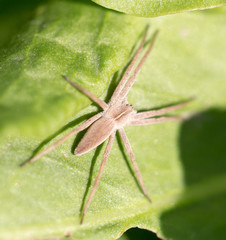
(182,164)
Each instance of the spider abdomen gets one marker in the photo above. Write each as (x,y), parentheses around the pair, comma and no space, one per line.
(97,133)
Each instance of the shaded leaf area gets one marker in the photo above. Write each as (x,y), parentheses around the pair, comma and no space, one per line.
(44,199)
(200,212)
(154,8)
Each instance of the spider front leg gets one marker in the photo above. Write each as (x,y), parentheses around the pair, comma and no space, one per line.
(132,79)
(126,75)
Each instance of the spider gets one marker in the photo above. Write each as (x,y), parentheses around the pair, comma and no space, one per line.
(116,114)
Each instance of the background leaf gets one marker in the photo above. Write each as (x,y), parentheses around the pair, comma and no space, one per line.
(154,8)
(183,164)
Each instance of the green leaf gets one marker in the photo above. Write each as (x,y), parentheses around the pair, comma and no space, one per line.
(182,164)
(154,8)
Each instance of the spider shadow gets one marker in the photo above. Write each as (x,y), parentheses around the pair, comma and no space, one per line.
(115,79)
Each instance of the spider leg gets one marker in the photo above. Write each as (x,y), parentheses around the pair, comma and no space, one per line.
(125,77)
(131,81)
(130,152)
(82,127)
(148,114)
(148,121)
(95,99)
(105,157)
